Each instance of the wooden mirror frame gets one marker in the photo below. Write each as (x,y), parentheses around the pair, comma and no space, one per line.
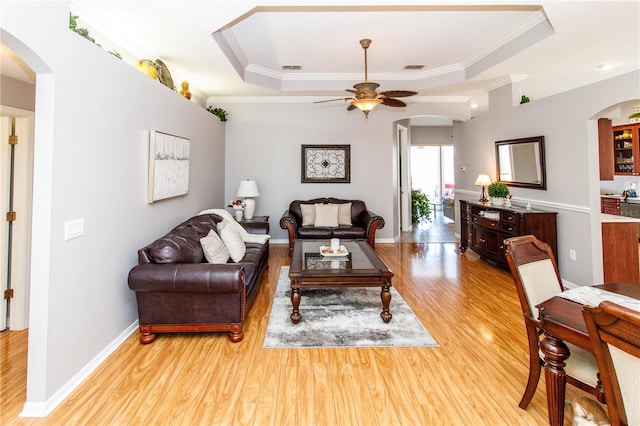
(539,166)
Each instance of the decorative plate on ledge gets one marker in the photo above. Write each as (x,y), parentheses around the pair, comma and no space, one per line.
(164,76)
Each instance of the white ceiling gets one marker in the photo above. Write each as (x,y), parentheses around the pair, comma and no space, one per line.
(238,48)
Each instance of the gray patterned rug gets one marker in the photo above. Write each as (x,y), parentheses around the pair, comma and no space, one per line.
(348,317)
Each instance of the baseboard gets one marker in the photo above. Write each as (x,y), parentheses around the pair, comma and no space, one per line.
(278,241)
(568,284)
(386,240)
(42,409)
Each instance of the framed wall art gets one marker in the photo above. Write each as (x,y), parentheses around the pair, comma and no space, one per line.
(168,166)
(326,164)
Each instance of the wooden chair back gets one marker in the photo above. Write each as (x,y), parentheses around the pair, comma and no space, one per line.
(615,333)
(534,272)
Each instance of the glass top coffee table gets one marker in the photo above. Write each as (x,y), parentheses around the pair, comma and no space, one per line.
(361,267)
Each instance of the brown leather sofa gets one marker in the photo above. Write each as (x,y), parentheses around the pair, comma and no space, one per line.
(178,291)
(364,223)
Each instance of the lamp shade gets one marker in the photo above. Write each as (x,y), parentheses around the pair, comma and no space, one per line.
(366,105)
(483,180)
(248,188)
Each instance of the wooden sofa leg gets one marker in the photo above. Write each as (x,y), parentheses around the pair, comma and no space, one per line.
(146,336)
(236,334)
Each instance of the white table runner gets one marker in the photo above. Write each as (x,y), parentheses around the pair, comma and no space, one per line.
(592,296)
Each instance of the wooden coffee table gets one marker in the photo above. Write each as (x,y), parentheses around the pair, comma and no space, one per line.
(360,268)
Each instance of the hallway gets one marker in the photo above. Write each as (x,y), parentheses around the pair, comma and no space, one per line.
(440,230)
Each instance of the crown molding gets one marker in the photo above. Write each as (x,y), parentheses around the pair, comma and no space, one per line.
(503,81)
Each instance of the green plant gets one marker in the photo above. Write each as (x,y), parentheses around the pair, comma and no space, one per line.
(73,26)
(420,207)
(524,99)
(498,190)
(222,114)
(635,115)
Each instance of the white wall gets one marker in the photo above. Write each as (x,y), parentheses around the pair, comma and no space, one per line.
(264,141)
(92,123)
(568,123)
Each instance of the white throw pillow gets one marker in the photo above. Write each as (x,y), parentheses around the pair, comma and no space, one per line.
(326,215)
(308,214)
(344,214)
(232,240)
(214,249)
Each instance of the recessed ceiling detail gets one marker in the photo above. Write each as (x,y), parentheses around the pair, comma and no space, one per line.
(458,43)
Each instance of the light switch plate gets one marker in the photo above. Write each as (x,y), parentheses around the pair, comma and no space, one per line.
(73,229)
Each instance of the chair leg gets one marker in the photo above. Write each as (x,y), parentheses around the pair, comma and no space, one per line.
(535,367)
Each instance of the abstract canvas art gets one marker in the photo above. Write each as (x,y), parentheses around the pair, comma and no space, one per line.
(168,166)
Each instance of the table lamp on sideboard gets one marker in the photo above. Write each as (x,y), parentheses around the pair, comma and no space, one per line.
(483,180)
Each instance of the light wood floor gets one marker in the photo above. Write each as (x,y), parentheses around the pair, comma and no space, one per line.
(475,377)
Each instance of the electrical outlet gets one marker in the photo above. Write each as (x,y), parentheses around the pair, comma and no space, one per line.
(572,254)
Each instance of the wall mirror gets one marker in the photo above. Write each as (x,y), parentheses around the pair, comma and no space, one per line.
(520,162)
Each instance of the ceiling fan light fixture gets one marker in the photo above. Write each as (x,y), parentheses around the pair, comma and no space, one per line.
(366,105)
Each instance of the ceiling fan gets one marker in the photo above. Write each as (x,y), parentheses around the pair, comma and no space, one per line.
(366,98)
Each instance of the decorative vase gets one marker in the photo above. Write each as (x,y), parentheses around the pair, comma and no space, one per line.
(497,201)
(238,215)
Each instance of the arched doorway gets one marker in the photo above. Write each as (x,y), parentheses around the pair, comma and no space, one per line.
(40,223)
(618,114)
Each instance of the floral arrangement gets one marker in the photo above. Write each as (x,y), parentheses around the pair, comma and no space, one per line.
(236,204)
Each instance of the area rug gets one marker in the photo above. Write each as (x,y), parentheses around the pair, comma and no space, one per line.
(348,317)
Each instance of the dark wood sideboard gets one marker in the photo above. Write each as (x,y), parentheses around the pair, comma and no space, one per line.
(484,227)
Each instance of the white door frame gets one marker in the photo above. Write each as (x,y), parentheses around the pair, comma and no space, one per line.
(22,205)
(404,158)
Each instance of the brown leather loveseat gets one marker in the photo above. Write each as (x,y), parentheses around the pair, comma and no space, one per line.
(354,221)
(178,291)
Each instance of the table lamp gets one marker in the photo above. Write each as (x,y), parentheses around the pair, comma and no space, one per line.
(483,180)
(248,189)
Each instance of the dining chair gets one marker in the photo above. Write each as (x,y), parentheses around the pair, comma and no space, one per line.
(614,331)
(537,279)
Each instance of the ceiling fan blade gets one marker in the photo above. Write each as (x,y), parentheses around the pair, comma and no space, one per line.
(332,100)
(351,91)
(398,93)
(393,102)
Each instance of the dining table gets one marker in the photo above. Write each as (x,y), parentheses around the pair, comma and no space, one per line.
(561,321)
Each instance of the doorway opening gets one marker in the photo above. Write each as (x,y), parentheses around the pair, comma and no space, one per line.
(432,171)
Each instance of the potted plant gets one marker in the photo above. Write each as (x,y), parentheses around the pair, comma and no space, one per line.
(420,208)
(498,192)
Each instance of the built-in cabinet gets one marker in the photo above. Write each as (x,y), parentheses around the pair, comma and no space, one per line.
(610,205)
(626,149)
(484,227)
(620,260)
(618,206)
(605,145)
